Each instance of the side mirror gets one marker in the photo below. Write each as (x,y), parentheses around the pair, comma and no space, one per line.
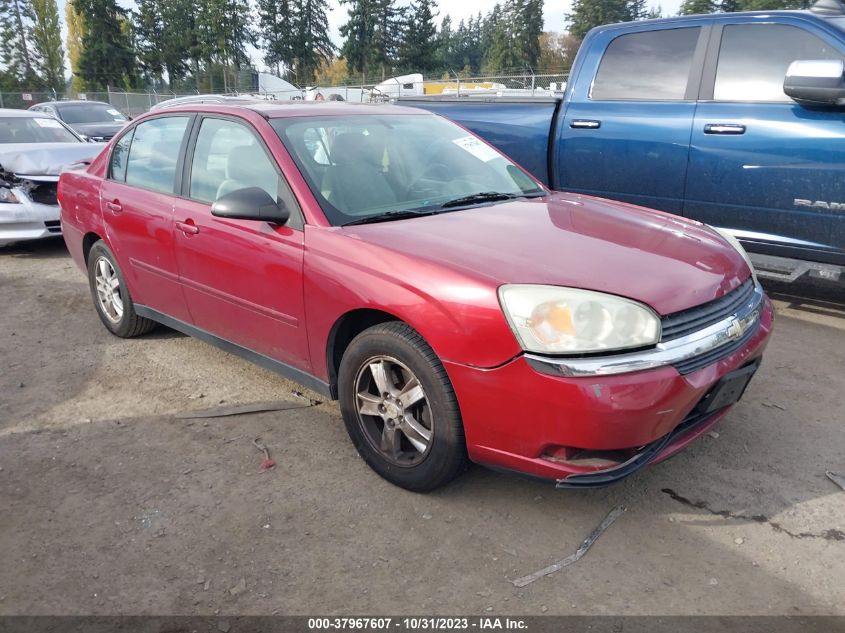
(251,203)
(816,81)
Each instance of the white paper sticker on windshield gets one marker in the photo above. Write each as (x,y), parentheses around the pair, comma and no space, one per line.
(115,114)
(475,147)
(47,122)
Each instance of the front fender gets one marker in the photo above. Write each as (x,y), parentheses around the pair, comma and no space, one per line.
(458,315)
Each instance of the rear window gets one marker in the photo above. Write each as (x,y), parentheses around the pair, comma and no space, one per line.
(34,130)
(89,113)
(647,66)
(154,153)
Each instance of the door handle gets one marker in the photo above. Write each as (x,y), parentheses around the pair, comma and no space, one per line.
(115,206)
(724,128)
(585,124)
(188,227)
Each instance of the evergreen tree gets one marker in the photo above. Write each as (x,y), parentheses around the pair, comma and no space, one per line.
(445,45)
(276,29)
(107,57)
(312,45)
(695,7)
(47,37)
(359,32)
(16,46)
(149,28)
(419,48)
(587,14)
(516,39)
(387,35)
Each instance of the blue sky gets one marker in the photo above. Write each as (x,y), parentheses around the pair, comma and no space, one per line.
(554,13)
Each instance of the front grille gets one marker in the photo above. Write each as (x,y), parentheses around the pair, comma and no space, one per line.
(686,322)
(694,364)
(43,193)
(54,226)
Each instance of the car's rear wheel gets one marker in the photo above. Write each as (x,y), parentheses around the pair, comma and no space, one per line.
(400,409)
(111,296)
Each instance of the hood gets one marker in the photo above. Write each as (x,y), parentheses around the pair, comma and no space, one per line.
(662,260)
(44,159)
(104,128)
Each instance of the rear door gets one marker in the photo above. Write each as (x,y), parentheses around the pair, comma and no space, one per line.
(137,198)
(626,129)
(242,278)
(765,167)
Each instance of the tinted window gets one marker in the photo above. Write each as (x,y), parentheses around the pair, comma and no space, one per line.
(118,156)
(228,156)
(753,59)
(154,153)
(25,129)
(648,66)
(89,113)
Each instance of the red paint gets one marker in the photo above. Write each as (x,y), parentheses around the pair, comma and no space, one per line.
(280,291)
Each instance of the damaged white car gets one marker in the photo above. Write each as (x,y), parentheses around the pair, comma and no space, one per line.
(34,148)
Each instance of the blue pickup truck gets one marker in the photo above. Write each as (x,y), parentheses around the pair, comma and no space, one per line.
(736,120)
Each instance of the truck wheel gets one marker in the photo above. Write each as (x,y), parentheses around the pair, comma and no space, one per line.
(400,409)
(111,296)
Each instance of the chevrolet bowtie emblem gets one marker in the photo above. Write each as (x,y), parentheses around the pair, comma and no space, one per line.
(735,329)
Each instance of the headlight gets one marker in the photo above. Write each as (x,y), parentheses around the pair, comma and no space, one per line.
(7,195)
(555,320)
(739,248)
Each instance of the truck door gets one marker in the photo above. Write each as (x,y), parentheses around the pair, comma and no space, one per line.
(761,165)
(626,128)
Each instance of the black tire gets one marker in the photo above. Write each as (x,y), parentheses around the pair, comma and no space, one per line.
(445,456)
(127,324)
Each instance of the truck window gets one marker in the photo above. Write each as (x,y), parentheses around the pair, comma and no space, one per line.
(753,59)
(647,66)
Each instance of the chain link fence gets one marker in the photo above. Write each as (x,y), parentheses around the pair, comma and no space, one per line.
(133,103)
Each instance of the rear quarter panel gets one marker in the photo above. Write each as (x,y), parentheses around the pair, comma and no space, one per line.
(79,203)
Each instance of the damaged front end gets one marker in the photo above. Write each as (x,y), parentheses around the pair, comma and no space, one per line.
(29,179)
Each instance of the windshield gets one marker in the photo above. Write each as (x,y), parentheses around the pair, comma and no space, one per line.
(24,129)
(89,113)
(361,166)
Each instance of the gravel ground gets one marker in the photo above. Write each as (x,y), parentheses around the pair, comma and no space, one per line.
(111,504)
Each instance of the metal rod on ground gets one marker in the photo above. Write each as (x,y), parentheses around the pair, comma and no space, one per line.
(574,558)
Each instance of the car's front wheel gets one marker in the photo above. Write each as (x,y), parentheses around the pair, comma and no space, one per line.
(400,409)
(111,296)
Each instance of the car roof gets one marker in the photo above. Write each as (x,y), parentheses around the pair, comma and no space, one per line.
(78,102)
(680,19)
(284,109)
(11,112)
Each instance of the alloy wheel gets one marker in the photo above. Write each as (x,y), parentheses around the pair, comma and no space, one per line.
(393,410)
(108,290)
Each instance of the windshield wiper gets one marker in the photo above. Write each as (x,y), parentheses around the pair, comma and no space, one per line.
(389,215)
(488,196)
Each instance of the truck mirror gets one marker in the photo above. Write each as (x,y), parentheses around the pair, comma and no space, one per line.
(816,81)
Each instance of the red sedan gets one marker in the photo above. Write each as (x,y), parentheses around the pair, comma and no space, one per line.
(458,310)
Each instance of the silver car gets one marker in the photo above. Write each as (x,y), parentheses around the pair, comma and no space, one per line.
(34,148)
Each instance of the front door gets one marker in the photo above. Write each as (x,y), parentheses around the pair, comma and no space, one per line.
(242,278)
(761,165)
(137,199)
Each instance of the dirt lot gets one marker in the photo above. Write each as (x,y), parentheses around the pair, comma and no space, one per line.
(110,504)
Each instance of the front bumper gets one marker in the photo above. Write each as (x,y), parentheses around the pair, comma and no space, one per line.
(27,220)
(519,418)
